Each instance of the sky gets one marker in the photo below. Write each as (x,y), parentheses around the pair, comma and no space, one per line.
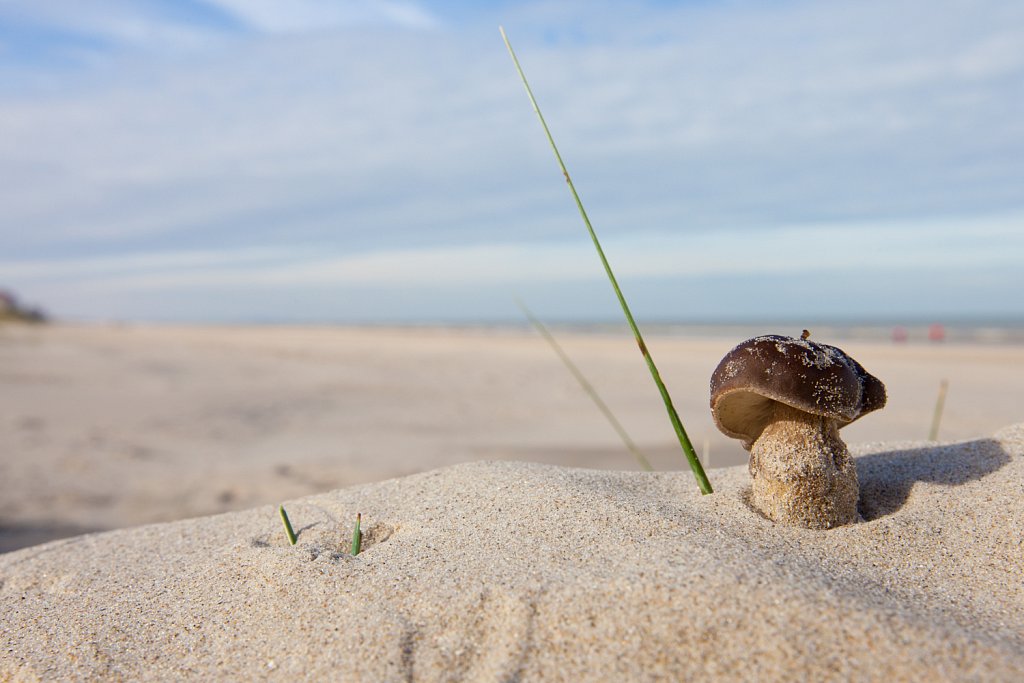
(379,161)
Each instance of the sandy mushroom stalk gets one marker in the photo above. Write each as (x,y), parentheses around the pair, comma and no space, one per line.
(786,398)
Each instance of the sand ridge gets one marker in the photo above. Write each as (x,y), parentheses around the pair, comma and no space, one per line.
(524,571)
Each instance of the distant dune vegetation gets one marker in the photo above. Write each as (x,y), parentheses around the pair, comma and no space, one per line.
(13,310)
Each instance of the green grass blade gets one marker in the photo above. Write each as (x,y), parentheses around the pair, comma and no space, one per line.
(357,535)
(587,387)
(940,402)
(292,538)
(684,440)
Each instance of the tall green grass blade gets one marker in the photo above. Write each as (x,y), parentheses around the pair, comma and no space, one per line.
(587,387)
(940,402)
(684,440)
(292,538)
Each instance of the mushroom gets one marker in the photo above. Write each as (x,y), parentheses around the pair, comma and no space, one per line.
(786,399)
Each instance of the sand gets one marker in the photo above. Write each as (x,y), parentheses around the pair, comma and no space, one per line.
(479,566)
(523,571)
(105,427)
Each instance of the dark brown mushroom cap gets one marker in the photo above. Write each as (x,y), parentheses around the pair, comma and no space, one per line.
(815,378)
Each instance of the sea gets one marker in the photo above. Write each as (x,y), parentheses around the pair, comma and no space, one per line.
(966,331)
(956,332)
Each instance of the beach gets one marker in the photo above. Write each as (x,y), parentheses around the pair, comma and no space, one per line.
(508,533)
(110,426)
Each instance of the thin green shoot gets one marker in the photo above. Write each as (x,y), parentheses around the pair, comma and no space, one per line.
(587,387)
(940,402)
(357,535)
(684,440)
(292,538)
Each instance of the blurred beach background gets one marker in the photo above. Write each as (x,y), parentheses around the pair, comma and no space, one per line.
(278,244)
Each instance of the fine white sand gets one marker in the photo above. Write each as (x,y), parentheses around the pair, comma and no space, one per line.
(104,427)
(523,571)
(558,569)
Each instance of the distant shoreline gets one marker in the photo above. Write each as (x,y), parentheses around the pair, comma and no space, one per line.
(984,331)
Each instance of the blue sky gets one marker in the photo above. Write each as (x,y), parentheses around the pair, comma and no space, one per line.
(332,160)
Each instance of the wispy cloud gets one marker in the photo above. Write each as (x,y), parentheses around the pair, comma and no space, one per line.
(992,242)
(273,16)
(90,27)
(158,24)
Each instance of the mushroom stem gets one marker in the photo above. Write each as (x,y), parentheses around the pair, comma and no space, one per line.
(803,475)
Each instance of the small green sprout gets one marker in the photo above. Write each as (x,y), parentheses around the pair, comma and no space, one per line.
(357,535)
(292,538)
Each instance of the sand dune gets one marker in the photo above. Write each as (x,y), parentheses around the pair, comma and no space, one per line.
(525,571)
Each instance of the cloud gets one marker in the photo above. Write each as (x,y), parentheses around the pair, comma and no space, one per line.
(186,24)
(272,16)
(340,140)
(84,29)
(992,242)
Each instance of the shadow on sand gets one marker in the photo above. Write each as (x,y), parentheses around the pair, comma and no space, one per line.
(886,478)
